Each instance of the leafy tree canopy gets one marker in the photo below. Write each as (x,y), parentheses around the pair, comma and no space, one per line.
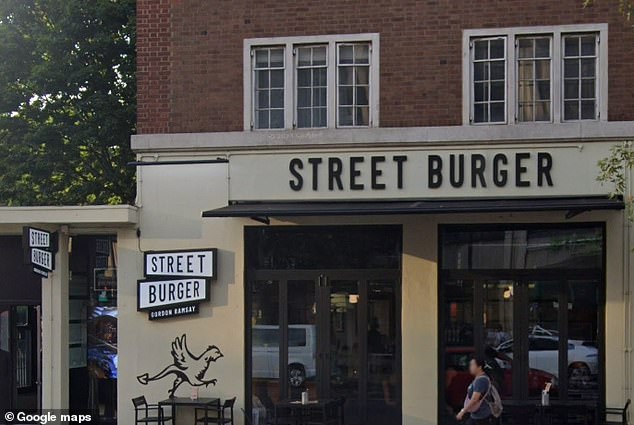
(67,101)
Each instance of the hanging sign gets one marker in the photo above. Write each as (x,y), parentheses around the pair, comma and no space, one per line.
(39,248)
(199,263)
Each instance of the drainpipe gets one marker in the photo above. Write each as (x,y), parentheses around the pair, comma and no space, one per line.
(627,297)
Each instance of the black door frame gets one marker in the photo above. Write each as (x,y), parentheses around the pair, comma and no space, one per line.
(520,315)
(321,279)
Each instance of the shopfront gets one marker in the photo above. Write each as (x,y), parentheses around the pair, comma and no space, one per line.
(372,275)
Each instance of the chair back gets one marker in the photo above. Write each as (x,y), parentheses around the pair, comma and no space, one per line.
(228,404)
(139,402)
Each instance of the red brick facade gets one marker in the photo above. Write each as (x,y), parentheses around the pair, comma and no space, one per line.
(190,53)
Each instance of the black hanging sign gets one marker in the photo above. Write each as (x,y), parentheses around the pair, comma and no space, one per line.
(39,249)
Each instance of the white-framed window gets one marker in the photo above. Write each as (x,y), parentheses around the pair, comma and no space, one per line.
(329,81)
(534,77)
(488,59)
(268,73)
(551,74)
(580,76)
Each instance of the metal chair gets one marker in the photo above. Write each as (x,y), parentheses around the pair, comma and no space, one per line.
(218,415)
(615,411)
(142,407)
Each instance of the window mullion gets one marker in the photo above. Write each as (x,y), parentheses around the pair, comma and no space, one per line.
(289,86)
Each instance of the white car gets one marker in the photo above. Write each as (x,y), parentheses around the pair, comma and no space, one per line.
(302,351)
(543,354)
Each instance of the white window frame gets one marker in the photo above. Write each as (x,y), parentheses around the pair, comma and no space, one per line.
(471,83)
(290,75)
(557,33)
(552,77)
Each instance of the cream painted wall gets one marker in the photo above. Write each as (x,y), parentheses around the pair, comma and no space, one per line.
(172,197)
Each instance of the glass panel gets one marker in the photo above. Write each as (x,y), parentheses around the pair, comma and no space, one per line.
(588,45)
(588,110)
(459,342)
(571,46)
(265,345)
(346,115)
(571,110)
(481,49)
(302,339)
(361,53)
(277,58)
(323,247)
(489,79)
(498,334)
(497,111)
(269,75)
(565,248)
(277,118)
(345,54)
(543,336)
(384,380)
(583,339)
(497,49)
(345,366)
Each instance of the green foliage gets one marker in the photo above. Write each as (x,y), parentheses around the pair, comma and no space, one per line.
(616,170)
(67,101)
(626,7)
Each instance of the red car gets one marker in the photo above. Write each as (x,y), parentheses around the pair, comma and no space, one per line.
(457,377)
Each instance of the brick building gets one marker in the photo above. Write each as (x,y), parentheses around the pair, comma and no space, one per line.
(390,187)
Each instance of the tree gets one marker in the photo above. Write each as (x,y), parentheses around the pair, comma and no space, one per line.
(626,7)
(67,101)
(616,169)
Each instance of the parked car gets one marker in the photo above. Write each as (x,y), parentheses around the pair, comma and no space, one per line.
(543,354)
(302,352)
(457,377)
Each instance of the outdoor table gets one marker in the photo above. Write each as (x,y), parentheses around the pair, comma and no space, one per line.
(298,411)
(202,403)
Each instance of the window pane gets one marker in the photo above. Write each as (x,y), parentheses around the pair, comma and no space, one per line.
(481,92)
(345,116)
(588,67)
(302,332)
(262,58)
(525,47)
(277,98)
(319,97)
(497,112)
(345,95)
(362,96)
(542,47)
(361,53)
(525,70)
(525,112)
(319,77)
(588,110)
(303,98)
(543,90)
(497,91)
(345,54)
(480,112)
(542,111)
(571,89)
(319,117)
(362,116)
(588,46)
(303,118)
(362,75)
(481,49)
(304,56)
(277,118)
(277,78)
(571,68)
(480,71)
(587,89)
(262,119)
(262,100)
(277,58)
(571,110)
(525,91)
(497,49)
(319,55)
(542,69)
(571,46)
(262,79)
(583,339)
(345,75)
(497,70)
(303,77)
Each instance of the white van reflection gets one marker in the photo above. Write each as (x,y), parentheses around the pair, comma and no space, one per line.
(302,350)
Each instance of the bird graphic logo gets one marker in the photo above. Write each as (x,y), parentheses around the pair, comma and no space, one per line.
(186,367)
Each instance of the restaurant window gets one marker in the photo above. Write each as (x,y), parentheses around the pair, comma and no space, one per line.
(326,81)
(534,79)
(489,80)
(580,77)
(535,74)
(529,300)
(268,69)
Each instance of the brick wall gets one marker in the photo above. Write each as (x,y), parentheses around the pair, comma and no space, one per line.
(190,53)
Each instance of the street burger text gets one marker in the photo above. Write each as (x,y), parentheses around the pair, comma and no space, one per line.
(456,170)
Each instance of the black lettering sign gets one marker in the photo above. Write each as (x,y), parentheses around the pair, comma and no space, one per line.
(298,182)
(434,171)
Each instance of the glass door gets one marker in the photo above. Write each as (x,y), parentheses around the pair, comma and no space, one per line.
(7,389)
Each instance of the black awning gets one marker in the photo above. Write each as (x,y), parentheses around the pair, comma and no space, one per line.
(296,209)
